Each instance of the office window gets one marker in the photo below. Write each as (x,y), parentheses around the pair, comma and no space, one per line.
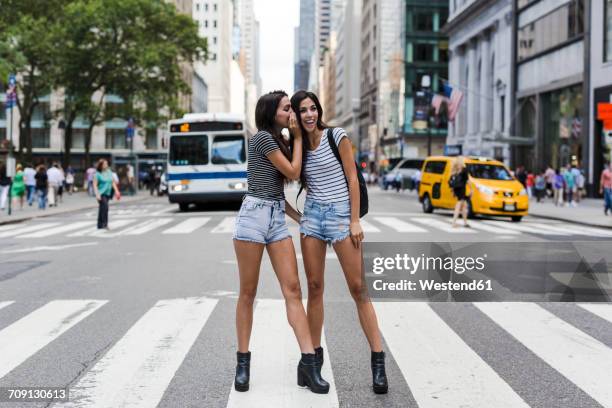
(116,139)
(197,6)
(206,7)
(502,112)
(40,137)
(423,52)
(608,32)
(215,7)
(423,21)
(151,138)
(215,24)
(214,40)
(206,23)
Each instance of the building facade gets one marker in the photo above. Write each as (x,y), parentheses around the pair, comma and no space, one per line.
(480,40)
(304,44)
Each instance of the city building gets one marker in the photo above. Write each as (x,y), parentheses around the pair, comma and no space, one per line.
(550,84)
(249,57)
(348,70)
(216,24)
(480,66)
(381,76)
(304,44)
(600,76)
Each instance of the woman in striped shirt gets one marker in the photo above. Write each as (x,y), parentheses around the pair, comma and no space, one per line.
(331,215)
(261,224)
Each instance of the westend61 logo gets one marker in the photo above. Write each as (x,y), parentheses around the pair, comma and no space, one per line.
(413,264)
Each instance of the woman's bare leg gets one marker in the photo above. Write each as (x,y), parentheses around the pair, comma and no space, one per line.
(313,251)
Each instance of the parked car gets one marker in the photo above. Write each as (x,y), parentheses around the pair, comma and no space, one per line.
(402,175)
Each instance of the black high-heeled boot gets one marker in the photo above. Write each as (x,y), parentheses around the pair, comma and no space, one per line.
(319,357)
(379,377)
(308,375)
(243,371)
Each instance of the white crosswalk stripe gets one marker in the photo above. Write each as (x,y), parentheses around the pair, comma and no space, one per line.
(399,225)
(28,228)
(225,226)
(94,231)
(439,367)
(141,228)
(9,227)
(582,359)
(276,360)
(56,230)
(526,227)
(188,226)
(368,227)
(435,361)
(493,229)
(139,367)
(25,337)
(603,310)
(443,225)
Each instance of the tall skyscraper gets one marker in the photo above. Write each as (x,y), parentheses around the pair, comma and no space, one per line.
(304,44)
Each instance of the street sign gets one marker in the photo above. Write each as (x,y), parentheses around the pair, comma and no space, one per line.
(453,150)
(11,92)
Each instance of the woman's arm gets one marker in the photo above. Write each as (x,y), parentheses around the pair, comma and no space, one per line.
(348,164)
(290,169)
(292,212)
(95,187)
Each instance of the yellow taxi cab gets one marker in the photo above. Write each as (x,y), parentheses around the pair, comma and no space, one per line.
(491,189)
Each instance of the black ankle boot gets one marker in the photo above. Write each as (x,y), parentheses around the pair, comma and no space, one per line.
(379,377)
(243,371)
(319,357)
(308,375)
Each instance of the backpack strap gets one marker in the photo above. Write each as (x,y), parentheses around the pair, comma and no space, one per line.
(333,145)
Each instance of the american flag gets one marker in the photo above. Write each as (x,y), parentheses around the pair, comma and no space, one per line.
(452,97)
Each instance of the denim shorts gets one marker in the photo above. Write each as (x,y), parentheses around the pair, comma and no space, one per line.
(261,221)
(328,222)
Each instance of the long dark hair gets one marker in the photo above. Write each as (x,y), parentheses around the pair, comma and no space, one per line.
(296,99)
(265,114)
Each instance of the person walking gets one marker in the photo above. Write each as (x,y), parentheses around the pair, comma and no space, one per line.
(69,180)
(42,186)
(540,186)
(570,186)
(5,186)
(578,183)
(530,181)
(558,188)
(331,217)
(54,178)
(18,189)
(260,225)
(30,183)
(104,186)
(458,182)
(549,176)
(605,188)
(89,176)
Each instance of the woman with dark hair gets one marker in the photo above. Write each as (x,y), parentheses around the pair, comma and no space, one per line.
(42,185)
(331,215)
(104,185)
(261,224)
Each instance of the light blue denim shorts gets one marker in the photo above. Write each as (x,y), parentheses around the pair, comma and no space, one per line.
(261,221)
(328,222)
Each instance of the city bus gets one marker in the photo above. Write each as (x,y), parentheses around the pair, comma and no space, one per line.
(207,159)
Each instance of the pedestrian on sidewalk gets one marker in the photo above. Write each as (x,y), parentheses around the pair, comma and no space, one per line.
(458,182)
(69,180)
(558,188)
(260,225)
(42,186)
(530,181)
(104,185)
(30,182)
(549,176)
(605,187)
(521,175)
(18,189)
(89,176)
(540,186)
(579,182)
(570,186)
(54,178)
(5,185)
(332,218)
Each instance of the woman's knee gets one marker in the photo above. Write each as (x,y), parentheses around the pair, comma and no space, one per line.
(357,290)
(248,294)
(292,290)
(315,288)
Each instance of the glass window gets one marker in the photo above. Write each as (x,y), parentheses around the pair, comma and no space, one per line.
(423,52)
(562,112)
(78,138)
(228,150)
(116,139)
(412,164)
(608,32)
(188,150)
(436,167)
(151,138)
(555,28)
(488,172)
(40,137)
(42,111)
(423,21)
(3,111)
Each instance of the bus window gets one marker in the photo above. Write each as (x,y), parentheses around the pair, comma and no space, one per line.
(188,150)
(228,150)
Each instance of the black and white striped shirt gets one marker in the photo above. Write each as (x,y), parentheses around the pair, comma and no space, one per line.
(324,174)
(265,181)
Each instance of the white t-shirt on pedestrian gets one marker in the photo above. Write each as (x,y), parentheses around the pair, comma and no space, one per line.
(28,174)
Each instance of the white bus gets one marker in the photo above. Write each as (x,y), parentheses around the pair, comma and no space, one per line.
(207,159)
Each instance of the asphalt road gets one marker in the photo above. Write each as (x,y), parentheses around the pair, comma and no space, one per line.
(143,315)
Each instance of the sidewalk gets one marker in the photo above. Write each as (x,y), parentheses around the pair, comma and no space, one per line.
(75,202)
(590,211)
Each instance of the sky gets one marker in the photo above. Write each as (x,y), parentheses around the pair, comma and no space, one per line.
(277,20)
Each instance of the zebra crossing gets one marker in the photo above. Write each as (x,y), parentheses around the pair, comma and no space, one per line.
(439,366)
(373,226)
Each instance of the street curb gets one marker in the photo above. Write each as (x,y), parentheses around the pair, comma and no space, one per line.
(59,212)
(551,217)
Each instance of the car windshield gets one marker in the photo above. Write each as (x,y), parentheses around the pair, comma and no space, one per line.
(488,172)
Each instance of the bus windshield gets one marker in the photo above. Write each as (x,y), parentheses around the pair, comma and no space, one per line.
(188,150)
(488,172)
(228,150)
